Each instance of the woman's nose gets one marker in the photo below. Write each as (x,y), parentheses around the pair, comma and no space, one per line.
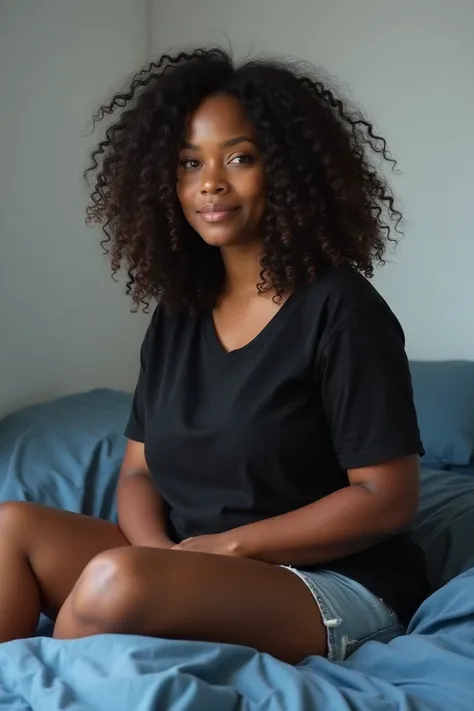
(213,183)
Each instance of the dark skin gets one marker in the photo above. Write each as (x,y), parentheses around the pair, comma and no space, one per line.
(132,578)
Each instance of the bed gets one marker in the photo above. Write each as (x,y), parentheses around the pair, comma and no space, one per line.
(67,453)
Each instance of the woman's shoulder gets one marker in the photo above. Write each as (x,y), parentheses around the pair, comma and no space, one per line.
(344,283)
(164,324)
(342,298)
(163,317)
(341,291)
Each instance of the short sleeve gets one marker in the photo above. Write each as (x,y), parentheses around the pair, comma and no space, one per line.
(135,428)
(366,390)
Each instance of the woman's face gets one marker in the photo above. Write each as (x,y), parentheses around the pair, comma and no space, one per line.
(221,181)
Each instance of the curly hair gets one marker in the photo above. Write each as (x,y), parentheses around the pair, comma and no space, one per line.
(328,201)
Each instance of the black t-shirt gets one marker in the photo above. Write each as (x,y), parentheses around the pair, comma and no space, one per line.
(233,438)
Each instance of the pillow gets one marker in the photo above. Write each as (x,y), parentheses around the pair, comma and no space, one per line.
(444,399)
(445,523)
(66,453)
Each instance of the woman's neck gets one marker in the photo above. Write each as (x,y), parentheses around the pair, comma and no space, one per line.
(242,269)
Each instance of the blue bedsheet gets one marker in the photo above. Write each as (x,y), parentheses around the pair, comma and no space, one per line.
(430,669)
(67,454)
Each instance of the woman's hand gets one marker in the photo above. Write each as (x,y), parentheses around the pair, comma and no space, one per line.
(158,542)
(218,543)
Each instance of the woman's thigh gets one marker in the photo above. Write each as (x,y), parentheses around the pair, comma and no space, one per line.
(195,596)
(57,545)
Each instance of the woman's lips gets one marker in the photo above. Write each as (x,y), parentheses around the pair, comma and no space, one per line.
(218,214)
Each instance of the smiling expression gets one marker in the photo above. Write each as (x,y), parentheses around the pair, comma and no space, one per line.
(221,180)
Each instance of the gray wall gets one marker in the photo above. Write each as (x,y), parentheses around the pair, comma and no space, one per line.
(410,63)
(65,325)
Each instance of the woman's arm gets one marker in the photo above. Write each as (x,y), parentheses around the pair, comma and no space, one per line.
(141,512)
(380,501)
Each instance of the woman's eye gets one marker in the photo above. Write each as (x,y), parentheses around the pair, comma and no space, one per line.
(189,163)
(243,159)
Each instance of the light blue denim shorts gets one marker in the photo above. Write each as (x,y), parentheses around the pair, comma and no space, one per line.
(351,614)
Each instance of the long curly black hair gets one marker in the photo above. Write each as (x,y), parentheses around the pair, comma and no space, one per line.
(328,200)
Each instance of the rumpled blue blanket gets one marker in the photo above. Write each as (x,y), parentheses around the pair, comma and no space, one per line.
(67,454)
(429,669)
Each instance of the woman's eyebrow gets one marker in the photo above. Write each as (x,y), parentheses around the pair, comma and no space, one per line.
(225,144)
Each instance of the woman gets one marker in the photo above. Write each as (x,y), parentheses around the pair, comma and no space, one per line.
(271,471)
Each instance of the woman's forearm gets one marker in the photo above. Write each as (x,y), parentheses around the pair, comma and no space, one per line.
(141,511)
(345,522)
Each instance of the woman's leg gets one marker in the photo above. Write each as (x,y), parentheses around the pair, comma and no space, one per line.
(42,554)
(185,595)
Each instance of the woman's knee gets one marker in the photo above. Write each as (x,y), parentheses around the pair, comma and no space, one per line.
(111,593)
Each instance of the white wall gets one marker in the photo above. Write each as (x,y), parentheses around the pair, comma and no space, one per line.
(65,326)
(410,64)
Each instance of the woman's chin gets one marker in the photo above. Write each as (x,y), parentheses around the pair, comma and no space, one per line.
(221,238)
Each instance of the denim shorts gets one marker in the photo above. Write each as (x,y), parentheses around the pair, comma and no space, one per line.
(351,614)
